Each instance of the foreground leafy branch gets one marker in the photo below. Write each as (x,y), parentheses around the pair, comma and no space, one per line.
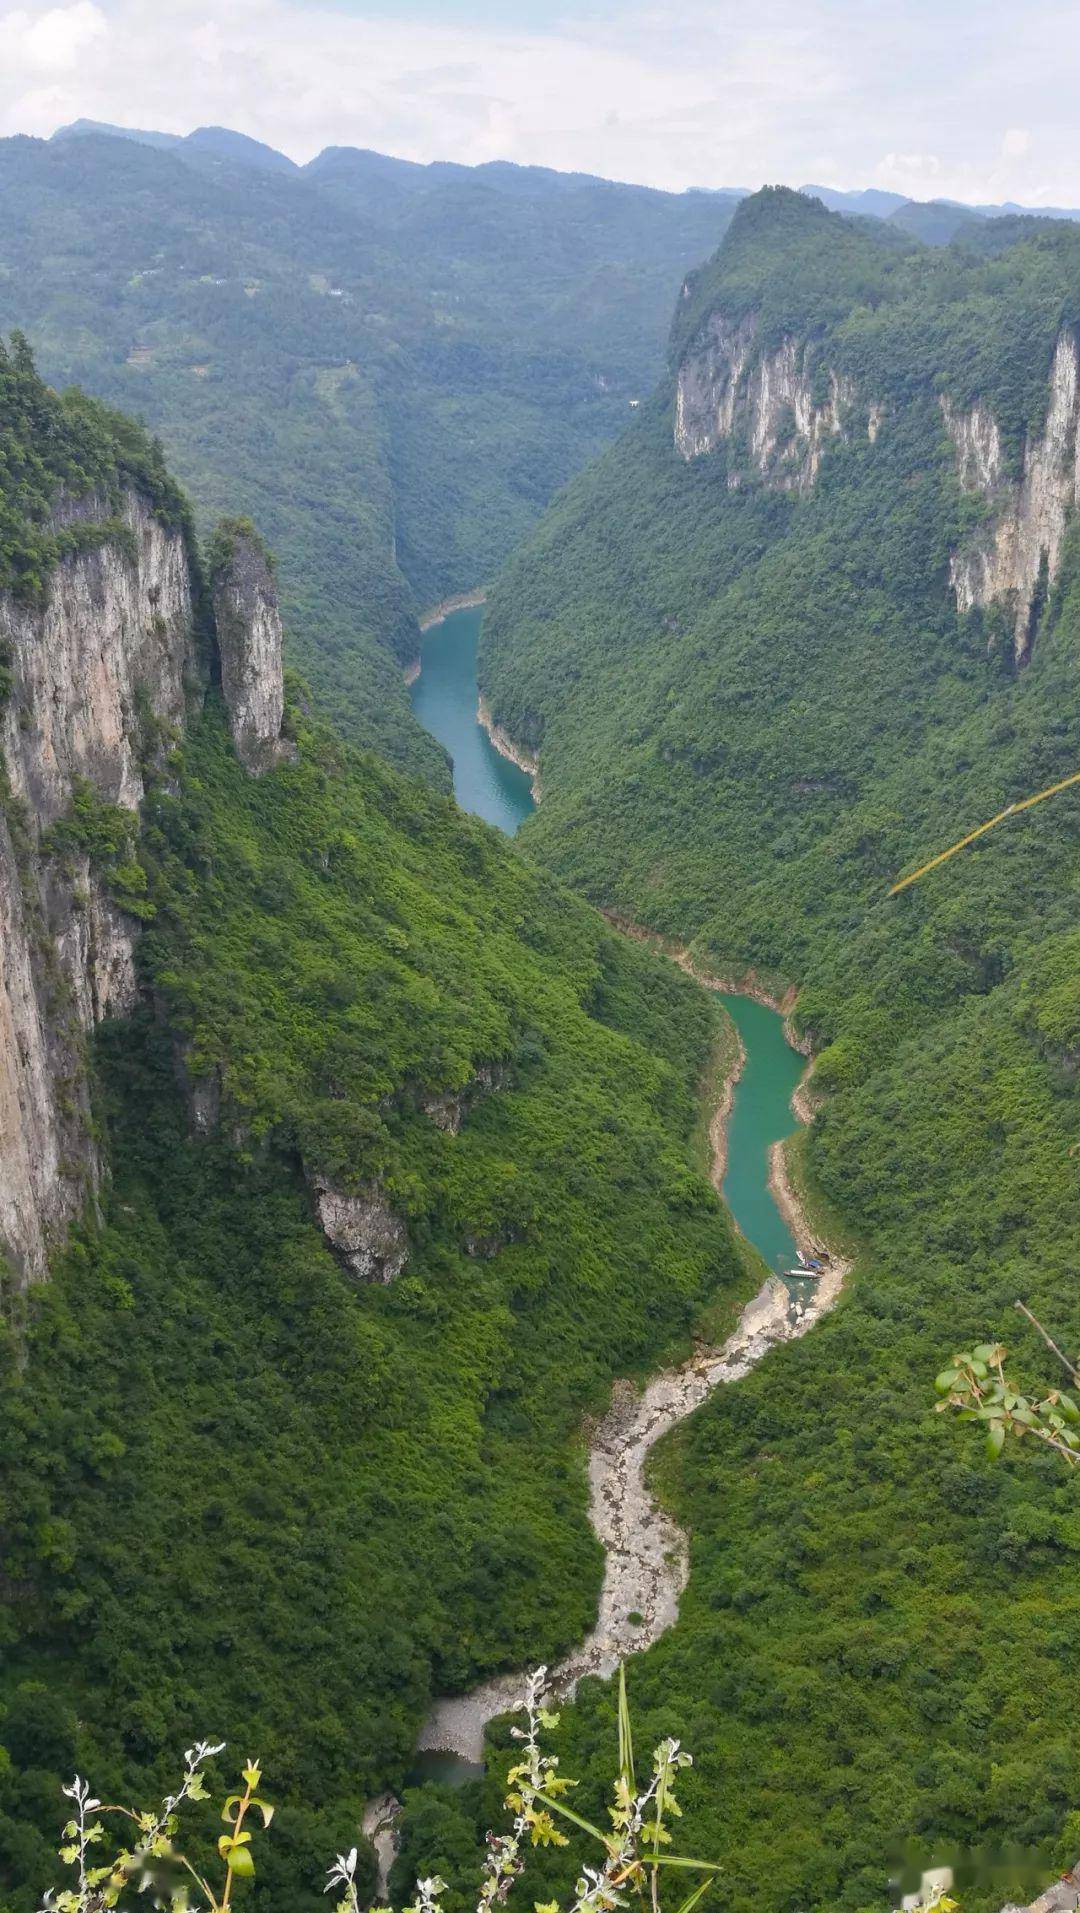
(976,1386)
(631,1859)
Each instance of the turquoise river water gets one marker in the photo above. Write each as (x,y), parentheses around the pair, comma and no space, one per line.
(444,699)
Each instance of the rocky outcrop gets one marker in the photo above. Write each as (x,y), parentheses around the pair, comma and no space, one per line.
(1013,557)
(367,1233)
(1062,1897)
(775,409)
(449,1108)
(249,641)
(380,1825)
(99,678)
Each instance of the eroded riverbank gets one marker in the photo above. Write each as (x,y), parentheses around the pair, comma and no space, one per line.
(646,1555)
(487,776)
(646,1558)
(526,761)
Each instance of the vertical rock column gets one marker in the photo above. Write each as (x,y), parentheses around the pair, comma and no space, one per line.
(249,639)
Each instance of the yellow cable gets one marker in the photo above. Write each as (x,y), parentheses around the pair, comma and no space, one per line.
(1009,811)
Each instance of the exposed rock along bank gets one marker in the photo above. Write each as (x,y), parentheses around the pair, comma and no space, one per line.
(437,612)
(527,761)
(646,1554)
(746,983)
(379,1824)
(718,1122)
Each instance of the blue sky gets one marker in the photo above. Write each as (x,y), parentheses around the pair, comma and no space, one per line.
(964,98)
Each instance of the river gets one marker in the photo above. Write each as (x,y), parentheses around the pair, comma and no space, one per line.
(444,699)
(646,1555)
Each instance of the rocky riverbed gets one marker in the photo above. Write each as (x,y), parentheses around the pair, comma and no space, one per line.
(647,1558)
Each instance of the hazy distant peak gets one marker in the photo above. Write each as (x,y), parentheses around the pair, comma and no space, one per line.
(222,141)
(218,142)
(864,199)
(79,129)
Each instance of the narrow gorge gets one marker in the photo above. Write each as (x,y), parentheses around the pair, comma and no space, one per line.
(646,1555)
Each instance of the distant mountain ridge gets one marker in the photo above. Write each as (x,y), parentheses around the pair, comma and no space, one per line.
(393,366)
(872,202)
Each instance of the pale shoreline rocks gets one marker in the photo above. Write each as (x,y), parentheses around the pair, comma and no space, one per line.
(646,1558)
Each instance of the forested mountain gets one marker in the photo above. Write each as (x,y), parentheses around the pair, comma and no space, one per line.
(812,618)
(345,1158)
(391,366)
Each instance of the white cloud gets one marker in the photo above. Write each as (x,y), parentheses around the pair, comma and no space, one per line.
(916,174)
(52,39)
(833,90)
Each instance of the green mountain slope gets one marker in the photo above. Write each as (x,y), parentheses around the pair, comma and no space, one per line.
(391,367)
(243,1491)
(756,704)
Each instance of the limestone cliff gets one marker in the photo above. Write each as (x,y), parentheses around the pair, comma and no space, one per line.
(249,640)
(99,677)
(1014,555)
(775,408)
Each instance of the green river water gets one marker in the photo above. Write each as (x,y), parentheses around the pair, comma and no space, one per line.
(444,699)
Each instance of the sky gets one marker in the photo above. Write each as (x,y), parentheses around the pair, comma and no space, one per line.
(967,99)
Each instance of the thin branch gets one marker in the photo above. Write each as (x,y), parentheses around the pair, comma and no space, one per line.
(1063,1359)
(211,1900)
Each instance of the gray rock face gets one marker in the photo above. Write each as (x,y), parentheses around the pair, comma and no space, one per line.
(1020,544)
(783,415)
(370,1237)
(449,1108)
(112,647)
(1062,1897)
(111,653)
(249,637)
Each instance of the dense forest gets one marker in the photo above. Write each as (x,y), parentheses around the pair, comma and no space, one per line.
(756,705)
(390,367)
(243,1493)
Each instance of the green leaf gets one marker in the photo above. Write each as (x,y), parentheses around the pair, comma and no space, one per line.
(680,1860)
(626,1737)
(692,1899)
(995,1439)
(569,1814)
(241,1863)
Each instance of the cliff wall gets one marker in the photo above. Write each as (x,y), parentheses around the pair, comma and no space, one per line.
(100,677)
(777,409)
(1013,556)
